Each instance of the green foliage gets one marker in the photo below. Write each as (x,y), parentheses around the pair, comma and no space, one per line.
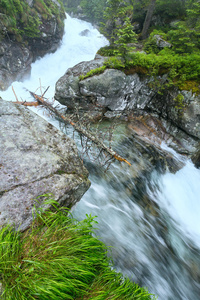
(176,66)
(170,9)
(23,21)
(179,104)
(93,9)
(107,50)
(114,63)
(191,85)
(93,72)
(114,12)
(31,28)
(125,35)
(183,39)
(186,36)
(181,70)
(150,45)
(59,258)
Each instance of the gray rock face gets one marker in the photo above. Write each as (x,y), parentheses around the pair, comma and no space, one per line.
(67,87)
(15,61)
(85,32)
(160,42)
(16,57)
(114,91)
(50,36)
(35,159)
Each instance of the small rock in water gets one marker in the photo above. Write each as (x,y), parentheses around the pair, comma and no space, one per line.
(85,32)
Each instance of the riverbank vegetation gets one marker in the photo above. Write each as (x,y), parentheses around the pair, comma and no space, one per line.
(153,37)
(19,20)
(59,258)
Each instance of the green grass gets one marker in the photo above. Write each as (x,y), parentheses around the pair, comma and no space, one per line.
(59,258)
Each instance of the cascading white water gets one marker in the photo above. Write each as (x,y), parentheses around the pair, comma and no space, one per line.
(165,265)
(179,196)
(168,263)
(74,48)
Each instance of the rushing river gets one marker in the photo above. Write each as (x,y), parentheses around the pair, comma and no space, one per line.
(157,246)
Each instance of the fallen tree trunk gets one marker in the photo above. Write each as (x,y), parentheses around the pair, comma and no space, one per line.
(67,120)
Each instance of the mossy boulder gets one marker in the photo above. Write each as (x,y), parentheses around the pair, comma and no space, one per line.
(113,91)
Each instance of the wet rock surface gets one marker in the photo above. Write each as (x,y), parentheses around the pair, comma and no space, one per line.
(35,159)
(15,61)
(67,87)
(114,93)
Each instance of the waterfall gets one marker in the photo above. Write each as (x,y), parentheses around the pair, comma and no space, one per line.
(74,48)
(159,251)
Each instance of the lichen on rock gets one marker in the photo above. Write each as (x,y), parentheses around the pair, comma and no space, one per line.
(35,159)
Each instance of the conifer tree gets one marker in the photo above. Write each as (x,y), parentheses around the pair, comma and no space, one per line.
(112,15)
(186,37)
(125,35)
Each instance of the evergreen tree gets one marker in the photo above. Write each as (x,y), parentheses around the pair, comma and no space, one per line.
(112,15)
(94,9)
(186,37)
(125,36)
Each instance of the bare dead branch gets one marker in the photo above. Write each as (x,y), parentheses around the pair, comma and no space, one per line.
(15,94)
(79,128)
(35,103)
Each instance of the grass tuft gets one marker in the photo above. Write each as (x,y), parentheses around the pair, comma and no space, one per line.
(59,258)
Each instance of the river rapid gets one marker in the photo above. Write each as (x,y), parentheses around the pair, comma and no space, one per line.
(157,244)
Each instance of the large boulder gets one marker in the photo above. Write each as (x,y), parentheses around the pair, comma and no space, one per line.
(114,91)
(160,42)
(67,87)
(35,159)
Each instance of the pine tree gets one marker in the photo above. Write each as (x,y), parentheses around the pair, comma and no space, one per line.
(186,37)
(125,35)
(112,15)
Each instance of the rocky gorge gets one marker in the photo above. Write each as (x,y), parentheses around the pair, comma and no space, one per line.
(27,36)
(144,244)
(172,116)
(126,199)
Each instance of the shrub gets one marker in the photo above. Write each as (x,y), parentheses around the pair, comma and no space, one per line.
(150,45)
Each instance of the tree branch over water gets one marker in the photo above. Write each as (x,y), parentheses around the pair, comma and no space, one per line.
(78,126)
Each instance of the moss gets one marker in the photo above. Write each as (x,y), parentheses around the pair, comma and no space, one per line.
(93,72)
(183,71)
(23,21)
(137,69)
(106,51)
(179,103)
(191,85)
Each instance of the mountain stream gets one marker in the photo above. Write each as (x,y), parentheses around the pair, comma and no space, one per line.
(148,215)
